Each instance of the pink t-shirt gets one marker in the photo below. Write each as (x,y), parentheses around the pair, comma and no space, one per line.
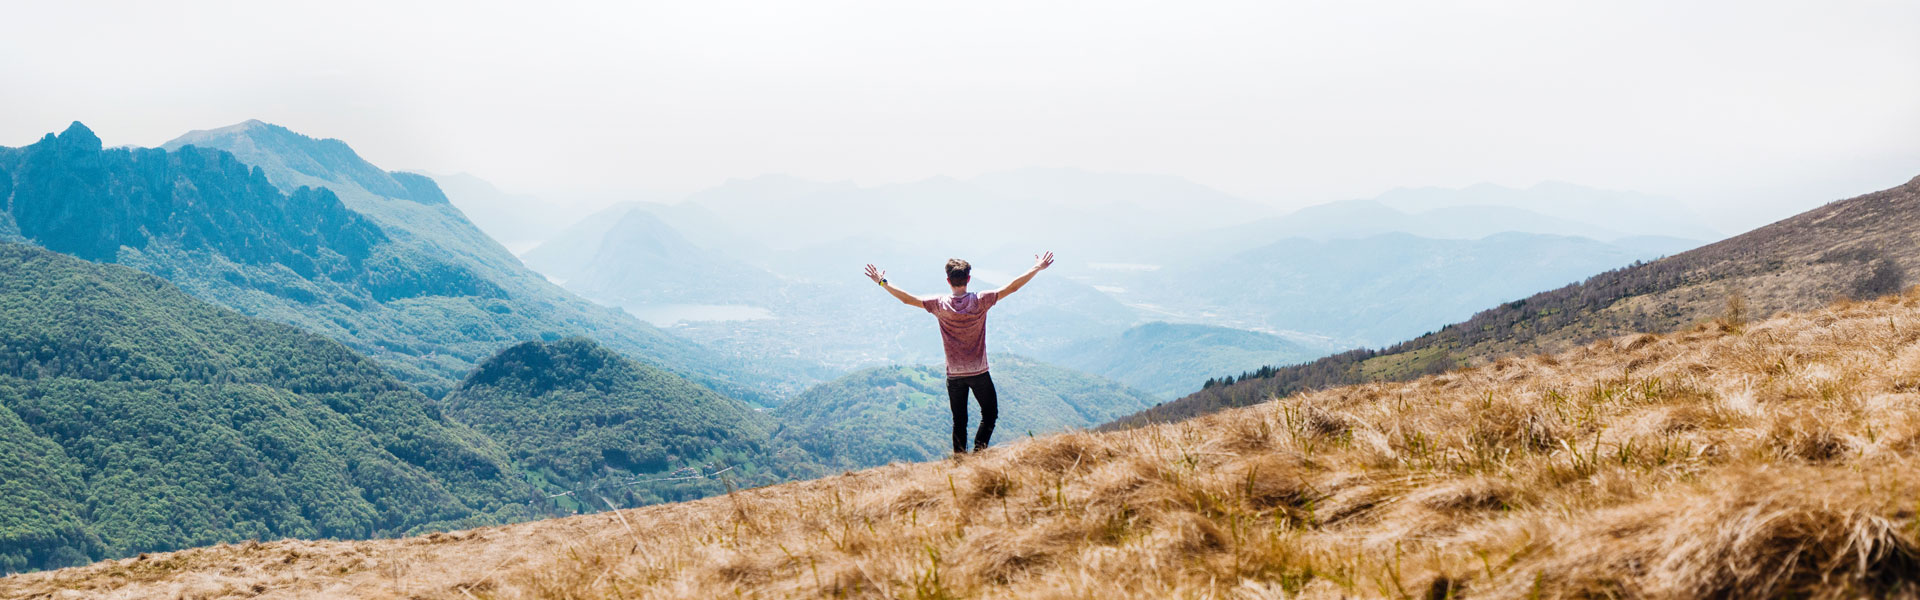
(963,328)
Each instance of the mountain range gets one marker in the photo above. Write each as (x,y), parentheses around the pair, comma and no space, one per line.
(431,337)
(778,222)
(1627,213)
(1367,290)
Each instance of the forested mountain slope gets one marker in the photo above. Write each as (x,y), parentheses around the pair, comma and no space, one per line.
(1862,247)
(590,421)
(431,338)
(136,418)
(220,230)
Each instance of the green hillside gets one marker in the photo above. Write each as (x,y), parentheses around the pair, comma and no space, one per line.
(136,418)
(1172,359)
(586,419)
(900,413)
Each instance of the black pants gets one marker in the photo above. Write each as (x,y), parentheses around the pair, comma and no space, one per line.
(982,386)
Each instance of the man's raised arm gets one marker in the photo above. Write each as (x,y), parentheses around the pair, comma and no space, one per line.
(1040,263)
(880,277)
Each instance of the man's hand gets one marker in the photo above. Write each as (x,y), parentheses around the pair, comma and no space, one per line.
(880,277)
(1040,263)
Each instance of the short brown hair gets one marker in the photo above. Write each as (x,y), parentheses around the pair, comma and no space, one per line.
(958,271)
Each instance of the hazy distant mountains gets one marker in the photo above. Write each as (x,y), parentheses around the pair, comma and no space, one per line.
(783,223)
(1171,360)
(1369,291)
(642,260)
(1626,213)
(1024,208)
(1637,222)
(1366,218)
(793,249)
(1142,248)
(518,221)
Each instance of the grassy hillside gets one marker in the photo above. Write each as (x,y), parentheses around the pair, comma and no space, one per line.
(1171,359)
(1771,459)
(432,339)
(611,430)
(1862,247)
(135,418)
(901,413)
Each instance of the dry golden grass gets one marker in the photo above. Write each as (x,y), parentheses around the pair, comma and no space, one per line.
(1772,459)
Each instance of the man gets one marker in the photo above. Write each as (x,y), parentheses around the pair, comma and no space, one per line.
(963,328)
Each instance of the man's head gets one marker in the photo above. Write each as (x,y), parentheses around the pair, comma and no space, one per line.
(958,272)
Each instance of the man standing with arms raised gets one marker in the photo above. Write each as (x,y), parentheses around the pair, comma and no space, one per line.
(963,329)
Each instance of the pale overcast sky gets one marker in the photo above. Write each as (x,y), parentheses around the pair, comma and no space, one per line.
(1748,109)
